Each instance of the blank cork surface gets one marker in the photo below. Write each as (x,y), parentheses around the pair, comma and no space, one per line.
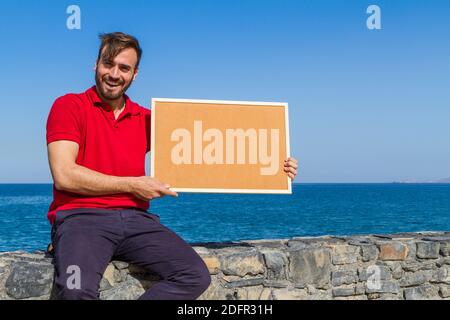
(169,115)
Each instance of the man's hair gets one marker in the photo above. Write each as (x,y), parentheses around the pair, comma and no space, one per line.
(115,42)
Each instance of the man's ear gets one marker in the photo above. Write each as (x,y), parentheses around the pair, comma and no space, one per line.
(135,74)
(95,65)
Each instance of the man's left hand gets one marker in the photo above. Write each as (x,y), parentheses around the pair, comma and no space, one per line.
(290,167)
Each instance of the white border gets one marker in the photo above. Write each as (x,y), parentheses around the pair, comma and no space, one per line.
(224,102)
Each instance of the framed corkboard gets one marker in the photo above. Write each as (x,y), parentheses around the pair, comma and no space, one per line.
(219,146)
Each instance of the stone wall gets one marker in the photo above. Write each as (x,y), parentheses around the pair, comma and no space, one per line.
(397,266)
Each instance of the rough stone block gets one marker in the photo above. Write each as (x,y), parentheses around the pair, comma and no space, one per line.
(442,275)
(382,286)
(276,263)
(427,250)
(396,269)
(130,289)
(377,271)
(310,266)
(444,242)
(393,251)
(28,280)
(344,291)
(236,283)
(339,278)
(369,252)
(345,254)
(444,291)
(424,292)
(241,263)
(413,266)
(416,278)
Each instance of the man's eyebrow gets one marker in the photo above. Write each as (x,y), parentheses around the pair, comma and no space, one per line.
(106,60)
(122,65)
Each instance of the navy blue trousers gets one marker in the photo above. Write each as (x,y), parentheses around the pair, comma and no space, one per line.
(86,240)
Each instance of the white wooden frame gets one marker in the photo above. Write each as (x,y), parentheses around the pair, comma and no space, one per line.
(224,102)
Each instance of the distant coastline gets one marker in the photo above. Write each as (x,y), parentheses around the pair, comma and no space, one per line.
(446,180)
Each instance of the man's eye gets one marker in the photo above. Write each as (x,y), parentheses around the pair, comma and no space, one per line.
(124,69)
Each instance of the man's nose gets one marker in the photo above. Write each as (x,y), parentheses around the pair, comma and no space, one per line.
(115,72)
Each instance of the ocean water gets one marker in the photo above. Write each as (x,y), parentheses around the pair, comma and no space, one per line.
(312,210)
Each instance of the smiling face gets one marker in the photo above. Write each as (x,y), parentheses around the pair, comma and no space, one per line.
(113,76)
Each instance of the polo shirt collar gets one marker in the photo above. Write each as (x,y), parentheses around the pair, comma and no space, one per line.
(130,106)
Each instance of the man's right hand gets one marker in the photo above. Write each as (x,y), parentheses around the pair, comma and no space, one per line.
(147,188)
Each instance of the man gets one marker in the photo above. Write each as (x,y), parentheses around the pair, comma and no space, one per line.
(97,142)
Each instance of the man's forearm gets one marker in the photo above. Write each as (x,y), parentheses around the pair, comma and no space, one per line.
(81,180)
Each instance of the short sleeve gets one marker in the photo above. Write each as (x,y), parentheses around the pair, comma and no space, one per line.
(64,121)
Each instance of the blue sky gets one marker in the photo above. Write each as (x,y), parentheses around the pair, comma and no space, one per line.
(365,105)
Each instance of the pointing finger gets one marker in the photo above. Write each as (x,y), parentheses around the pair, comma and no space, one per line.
(169,192)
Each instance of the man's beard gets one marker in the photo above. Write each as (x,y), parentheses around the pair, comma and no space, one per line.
(108,95)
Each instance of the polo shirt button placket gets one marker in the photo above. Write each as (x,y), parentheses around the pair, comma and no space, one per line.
(114,121)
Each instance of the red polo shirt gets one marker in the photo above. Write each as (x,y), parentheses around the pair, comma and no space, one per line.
(111,146)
